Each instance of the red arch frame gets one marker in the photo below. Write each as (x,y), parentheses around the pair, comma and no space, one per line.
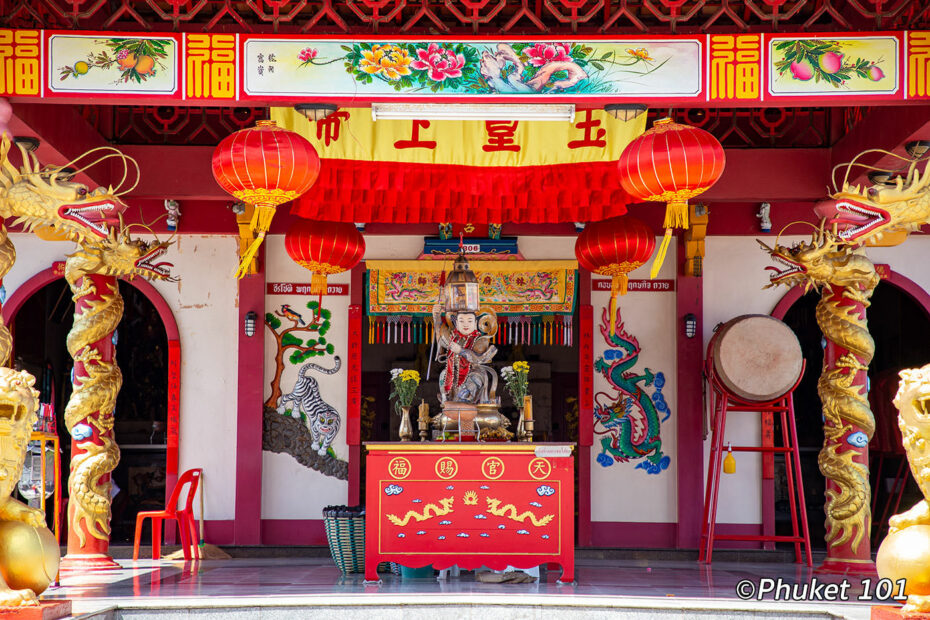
(28,288)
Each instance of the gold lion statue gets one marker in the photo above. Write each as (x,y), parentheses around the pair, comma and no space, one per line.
(905,552)
(29,554)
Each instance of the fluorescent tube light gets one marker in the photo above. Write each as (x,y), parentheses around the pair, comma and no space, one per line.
(473,112)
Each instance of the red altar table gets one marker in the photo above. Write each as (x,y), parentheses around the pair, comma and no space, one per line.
(470,505)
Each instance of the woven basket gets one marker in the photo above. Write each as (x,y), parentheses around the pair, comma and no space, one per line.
(346,537)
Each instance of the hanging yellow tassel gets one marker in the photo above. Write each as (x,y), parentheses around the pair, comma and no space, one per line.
(261,222)
(660,255)
(318,283)
(729,463)
(676,214)
(618,286)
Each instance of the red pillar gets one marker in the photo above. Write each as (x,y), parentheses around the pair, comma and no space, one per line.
(689,299)
(354,383)
(250,411)
(93,553)
(585,406)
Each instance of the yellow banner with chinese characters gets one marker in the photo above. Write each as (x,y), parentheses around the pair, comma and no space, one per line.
(351,134)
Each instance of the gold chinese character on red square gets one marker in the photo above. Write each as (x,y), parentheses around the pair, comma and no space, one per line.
(211,66)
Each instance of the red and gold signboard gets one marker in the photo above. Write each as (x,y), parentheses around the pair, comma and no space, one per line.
(470,505)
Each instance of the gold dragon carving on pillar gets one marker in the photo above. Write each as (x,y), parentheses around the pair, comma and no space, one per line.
(847,279)
(38,198)
(97,314)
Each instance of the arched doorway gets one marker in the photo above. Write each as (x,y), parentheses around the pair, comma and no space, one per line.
(899,321)
(147,410)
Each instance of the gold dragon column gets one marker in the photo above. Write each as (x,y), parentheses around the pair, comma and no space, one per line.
(848,421)
(98,308)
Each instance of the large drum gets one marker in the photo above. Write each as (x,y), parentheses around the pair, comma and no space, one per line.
(756,357)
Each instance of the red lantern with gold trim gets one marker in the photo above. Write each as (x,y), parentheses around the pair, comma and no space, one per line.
(614,248)
(671,163)
(264,166)
(324,248)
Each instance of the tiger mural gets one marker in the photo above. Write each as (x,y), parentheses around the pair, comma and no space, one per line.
(320,418)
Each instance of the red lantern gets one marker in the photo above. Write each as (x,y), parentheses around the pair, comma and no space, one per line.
(264,166)
(671,163)
(324,248)
(614,248)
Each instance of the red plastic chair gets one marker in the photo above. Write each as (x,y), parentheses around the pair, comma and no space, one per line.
(184,517)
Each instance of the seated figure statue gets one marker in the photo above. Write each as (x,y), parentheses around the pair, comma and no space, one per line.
(465,350)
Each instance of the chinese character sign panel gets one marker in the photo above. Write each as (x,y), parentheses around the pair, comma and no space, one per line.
(470,507)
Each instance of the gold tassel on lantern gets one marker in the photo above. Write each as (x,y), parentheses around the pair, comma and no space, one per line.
(318,283)
(618,286)
(261,222)
(676,216)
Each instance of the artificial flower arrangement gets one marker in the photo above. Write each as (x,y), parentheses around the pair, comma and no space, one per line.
(516,378)
(404,385)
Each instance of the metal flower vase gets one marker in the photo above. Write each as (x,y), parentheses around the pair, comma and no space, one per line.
(406,428)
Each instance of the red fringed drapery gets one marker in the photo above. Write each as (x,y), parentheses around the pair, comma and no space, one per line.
(394,192)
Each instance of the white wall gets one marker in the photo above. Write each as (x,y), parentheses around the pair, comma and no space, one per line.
(621,492)
(909,259)
(204,304)
(290,490)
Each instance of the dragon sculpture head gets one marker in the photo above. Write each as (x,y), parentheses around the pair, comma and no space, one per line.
(809,264)
(868,213)
(121,255)
(44,197)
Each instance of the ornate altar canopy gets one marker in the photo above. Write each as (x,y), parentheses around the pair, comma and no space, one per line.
(411,287)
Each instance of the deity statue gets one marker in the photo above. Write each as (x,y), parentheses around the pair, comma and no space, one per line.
(465,350)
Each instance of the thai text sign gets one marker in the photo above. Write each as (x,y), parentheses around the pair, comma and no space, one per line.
(683,69)
(663,286)
(303,288)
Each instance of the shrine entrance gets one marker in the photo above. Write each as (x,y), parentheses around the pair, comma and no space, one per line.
(545,340)
(40,322)
(900,325)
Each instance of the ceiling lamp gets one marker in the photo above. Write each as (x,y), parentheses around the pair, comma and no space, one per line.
(625,111)
(315,111)
(917,148)
(473,112)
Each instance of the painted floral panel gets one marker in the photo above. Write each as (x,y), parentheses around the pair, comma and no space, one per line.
(300,67)
(833,66)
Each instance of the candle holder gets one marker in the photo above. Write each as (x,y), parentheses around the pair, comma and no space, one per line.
(525,425)
(423,420)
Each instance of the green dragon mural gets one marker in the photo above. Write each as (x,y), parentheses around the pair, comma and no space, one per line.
(629,420)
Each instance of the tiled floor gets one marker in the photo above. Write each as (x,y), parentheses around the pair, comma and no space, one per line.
(317,579)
